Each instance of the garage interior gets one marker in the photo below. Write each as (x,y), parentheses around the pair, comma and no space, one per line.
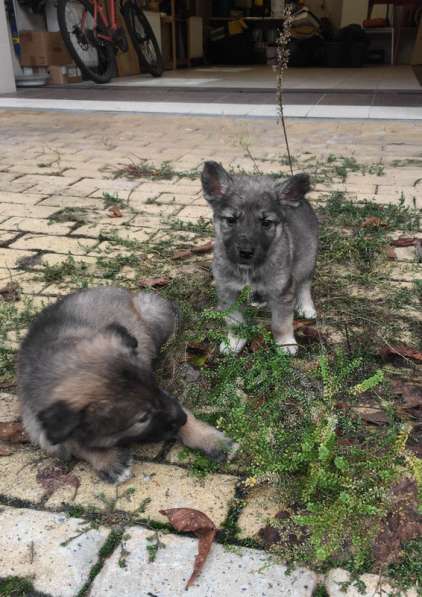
(225,50)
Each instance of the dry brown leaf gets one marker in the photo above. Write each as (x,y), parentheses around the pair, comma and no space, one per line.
(411,393)
(153,282)
(115,212)
(401,524)
(183,254)
(53,477)
(371,415)
(194,521)
(5,450)
(373,222)
(401,351)
(391,254)
(13,432)
(10,293)
(206,248)
(403,241)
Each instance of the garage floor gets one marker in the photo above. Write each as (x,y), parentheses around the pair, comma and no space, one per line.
(374,92)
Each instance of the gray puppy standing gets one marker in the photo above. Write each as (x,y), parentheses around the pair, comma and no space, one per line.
(266,237)
(86,382)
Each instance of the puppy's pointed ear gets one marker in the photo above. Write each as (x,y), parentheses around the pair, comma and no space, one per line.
(59,421)
(292,191)
(215,181)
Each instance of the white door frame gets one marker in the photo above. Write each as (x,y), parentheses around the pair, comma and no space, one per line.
(7,75)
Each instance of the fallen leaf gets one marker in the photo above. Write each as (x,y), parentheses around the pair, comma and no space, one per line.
(401,351)
(257,343)
(372,415)
(53,477)
(10,293)
(206,248)
(13,432)
(194,521)
(115,212)
(373,222)
(153,282)
(6,450)
(269,536)
(411,393)
(403,241)
(183,254)
(391,254)
(402,523)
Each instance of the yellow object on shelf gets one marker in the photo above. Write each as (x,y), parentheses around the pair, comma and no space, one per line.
(236,27)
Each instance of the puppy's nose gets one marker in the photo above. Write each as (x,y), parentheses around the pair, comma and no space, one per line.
(246,253)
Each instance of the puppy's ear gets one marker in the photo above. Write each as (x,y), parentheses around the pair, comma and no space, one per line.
(215,181)
(292,191)
(59,421)
(127,338)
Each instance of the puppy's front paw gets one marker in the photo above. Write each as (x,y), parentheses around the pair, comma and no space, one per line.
(287,345)
(224,450)
(233,344)
(119,470)
(306,311)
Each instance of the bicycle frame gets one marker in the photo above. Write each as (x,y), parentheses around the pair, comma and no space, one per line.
(100,15)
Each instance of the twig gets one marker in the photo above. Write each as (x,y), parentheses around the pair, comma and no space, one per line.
(283,54)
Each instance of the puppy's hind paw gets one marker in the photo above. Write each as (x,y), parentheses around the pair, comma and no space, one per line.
(233,344)
(119,472)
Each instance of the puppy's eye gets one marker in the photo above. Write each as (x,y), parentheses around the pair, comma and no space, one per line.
(231,220)
(267,223)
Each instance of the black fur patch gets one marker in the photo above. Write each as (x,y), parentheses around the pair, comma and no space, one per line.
(127,338)
(59,421)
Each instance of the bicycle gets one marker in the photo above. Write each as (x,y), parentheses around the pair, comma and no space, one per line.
(93,37)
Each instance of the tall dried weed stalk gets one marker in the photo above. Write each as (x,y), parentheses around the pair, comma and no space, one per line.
(283,53)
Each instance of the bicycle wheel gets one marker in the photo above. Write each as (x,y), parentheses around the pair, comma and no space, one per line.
(93,56)
(143,39)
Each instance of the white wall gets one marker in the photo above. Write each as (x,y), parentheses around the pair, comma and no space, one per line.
(7,75)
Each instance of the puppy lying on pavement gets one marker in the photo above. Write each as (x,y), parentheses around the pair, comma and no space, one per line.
(86,382)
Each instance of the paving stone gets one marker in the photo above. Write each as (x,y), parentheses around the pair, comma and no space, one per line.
(194,212)
(262,504)
(375,586)
(249,572)
(24,198)
(404,272)
(18,474)
(56,258)
(167,487)
(124,232)
(32,545)
(9,258)
(25,210)
(36,225)
(58,244)
(9,407)
(47,184)
(59,202)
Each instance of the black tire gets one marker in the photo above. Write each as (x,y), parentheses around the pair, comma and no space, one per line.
(143,39)
(95,59)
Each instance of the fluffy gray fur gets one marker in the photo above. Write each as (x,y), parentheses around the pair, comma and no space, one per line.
(266,237)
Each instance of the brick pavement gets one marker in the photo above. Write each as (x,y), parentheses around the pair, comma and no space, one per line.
(52,162)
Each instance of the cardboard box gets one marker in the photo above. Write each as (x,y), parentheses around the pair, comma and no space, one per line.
(64,75)
(127,62)
(417,49)
(43,48)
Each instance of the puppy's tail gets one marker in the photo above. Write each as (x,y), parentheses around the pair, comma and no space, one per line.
(161,316)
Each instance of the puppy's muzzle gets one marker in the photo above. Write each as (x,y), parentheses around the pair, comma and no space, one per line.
(246,254)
